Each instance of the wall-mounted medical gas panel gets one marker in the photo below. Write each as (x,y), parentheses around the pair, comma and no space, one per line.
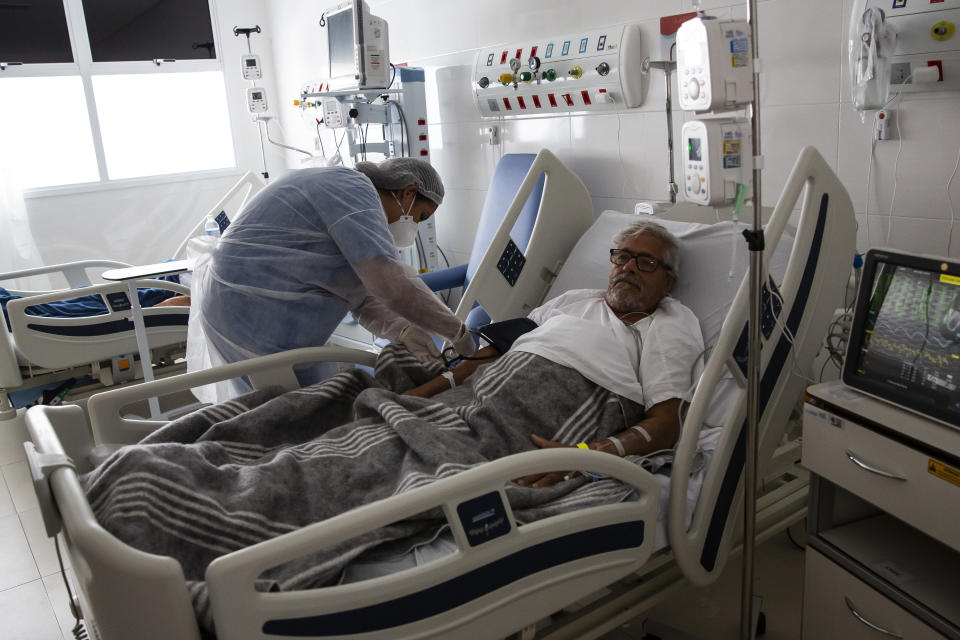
(595,70)
(927,35)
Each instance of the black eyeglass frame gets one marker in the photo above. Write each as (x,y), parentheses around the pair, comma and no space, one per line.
(644,268)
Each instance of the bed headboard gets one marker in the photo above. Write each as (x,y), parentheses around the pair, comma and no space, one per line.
(509,282)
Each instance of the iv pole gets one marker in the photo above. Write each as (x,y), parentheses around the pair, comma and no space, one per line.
(246,31)
(755,243)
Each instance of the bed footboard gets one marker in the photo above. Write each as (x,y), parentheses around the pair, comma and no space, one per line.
(123,593)
(502,578)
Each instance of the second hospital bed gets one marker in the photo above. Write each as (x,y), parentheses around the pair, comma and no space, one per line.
(39,350)
(511,582)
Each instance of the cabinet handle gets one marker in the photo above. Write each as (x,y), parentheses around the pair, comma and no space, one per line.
(880,472)
(859,616)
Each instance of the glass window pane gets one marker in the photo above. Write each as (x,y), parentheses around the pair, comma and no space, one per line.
(34,32)
(162,123)
(48,142)
(122,30)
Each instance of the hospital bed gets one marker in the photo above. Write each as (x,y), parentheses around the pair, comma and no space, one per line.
(535,573)
(42,350)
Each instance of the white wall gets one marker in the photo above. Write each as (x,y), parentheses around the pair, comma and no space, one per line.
(621,158)
(144,221)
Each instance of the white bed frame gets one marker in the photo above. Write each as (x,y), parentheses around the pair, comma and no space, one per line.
(52,357)
(126,593)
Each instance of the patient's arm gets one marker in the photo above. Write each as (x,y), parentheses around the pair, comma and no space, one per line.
(460,373)
(661,423)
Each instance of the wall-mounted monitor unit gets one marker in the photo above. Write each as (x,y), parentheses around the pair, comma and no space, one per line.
(358,47)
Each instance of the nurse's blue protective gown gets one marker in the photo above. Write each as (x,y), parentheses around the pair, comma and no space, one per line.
(310,247)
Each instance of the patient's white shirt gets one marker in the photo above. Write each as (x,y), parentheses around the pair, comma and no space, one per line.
(650,362)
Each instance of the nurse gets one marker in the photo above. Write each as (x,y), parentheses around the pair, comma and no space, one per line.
(310,247)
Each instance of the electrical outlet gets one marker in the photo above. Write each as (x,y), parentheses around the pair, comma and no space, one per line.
(899,72)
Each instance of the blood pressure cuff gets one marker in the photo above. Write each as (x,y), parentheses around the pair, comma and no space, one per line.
(502,335)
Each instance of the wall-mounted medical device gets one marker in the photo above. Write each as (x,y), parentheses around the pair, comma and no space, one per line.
(389,122)
(717,156)
(593,70)
(892,43)
(358,47)
(250,66)
(336,114)
(714,65)
(256,99)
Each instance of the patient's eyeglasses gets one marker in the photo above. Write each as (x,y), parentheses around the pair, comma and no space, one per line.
(645,263)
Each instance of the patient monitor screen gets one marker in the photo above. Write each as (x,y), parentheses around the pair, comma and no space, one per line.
(341,42)
(910,338)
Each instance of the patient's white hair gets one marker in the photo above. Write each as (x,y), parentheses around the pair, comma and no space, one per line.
(671,246)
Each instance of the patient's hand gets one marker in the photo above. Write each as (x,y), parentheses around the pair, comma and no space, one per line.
(539,480)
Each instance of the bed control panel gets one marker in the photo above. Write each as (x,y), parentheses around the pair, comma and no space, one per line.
(118,301)
(511,262)
(484,518)
(222,221)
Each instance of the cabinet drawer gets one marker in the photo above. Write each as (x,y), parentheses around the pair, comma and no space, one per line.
(886,473)
(831,596)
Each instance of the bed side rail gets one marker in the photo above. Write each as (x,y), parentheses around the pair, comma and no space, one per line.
(483,591)
(824,247)
(65,342)
(508,283)
(114,580)
(110,427)
(75,273)
(249,185)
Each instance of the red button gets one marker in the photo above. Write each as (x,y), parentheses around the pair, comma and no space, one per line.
(422,122)
(553,101)
(586,96)
(519,53)
(523,105)
(533,51)
(423,152)
(506,104)
(423,136)
(536,101)
(503,58)
(568,99)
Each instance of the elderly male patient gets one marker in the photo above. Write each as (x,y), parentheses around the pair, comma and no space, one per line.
(632,339)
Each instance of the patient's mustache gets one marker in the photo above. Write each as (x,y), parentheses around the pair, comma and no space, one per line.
(629,279)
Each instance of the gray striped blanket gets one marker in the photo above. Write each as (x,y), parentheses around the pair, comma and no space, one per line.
(267,463)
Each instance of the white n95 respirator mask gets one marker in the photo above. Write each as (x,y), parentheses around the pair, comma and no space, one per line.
(404,230)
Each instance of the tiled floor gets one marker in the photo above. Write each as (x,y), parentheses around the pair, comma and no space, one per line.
(34,605)
(33,600)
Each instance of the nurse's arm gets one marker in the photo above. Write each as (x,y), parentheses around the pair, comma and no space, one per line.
(460,373)
(408,297)
(376,318)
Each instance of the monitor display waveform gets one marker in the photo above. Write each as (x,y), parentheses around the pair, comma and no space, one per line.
(911,336)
